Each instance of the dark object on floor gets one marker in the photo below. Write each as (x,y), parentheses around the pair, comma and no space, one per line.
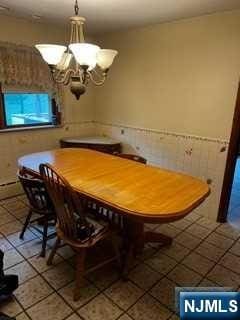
(1,263)
(8,283)
(5,317)
(39,204)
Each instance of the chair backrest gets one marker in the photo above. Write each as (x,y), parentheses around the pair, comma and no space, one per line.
(66,202)
(36,193)
(133,157)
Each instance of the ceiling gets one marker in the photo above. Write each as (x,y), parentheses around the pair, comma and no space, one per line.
(110,15)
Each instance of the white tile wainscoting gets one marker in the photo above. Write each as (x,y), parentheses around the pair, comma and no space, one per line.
(198,156)
(16,144)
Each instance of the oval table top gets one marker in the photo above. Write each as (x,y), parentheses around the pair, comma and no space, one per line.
(141,191)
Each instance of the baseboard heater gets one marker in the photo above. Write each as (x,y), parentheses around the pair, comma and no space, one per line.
(10,189)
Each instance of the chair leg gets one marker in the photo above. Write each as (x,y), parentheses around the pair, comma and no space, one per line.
(80,264)
(129,235)
(28,218)
(127,258)
(45,236)
(54,249)
(117,251)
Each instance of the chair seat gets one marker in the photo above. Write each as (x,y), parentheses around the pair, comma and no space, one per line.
(87,232)
(94,228)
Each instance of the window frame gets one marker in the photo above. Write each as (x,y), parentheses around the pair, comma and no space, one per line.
(3,121)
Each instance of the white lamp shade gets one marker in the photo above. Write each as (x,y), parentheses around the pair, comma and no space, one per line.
(85,54)
(105,58)
(51,53)
(65,61)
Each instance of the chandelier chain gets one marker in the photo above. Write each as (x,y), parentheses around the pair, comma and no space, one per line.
(76,8)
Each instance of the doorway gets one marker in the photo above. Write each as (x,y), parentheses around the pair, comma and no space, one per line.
(230,196)
(233,215)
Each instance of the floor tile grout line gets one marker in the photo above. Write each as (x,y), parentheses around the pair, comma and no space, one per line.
(103,292)
(47,296)
(205,239)
(178,262)
(12,197)
(181,260)
(38,274)
(216,262)
(125,313)
(165,276)
(10,211)
(192,251)
(227,251)
(147,291)
(70,315)
(56,290)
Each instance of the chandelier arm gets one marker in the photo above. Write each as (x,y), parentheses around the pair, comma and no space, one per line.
(63,78)
(58,76)
(68,75)
(67,79)
(95,71)
(96,82)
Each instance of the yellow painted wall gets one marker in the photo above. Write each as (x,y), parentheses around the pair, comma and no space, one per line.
(180,76)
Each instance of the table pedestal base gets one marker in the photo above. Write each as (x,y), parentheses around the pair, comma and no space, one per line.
(134,240)
(160,238)
(135,233)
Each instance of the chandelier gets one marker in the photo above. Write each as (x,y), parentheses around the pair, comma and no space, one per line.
(80,62)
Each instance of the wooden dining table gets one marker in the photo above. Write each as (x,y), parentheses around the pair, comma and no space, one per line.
(140,193)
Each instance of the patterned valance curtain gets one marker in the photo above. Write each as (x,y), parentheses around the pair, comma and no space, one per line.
(22,68)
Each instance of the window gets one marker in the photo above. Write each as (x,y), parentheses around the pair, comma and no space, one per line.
(28,95)
(27,109)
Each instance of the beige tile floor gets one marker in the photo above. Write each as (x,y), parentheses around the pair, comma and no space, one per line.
(203,254)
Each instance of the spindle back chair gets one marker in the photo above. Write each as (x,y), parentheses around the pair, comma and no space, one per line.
(74,227)
(40,204)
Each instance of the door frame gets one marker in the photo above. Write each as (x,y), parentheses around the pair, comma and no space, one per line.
(233,149)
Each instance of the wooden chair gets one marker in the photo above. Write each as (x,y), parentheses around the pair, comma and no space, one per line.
(74,227)
(40,204)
